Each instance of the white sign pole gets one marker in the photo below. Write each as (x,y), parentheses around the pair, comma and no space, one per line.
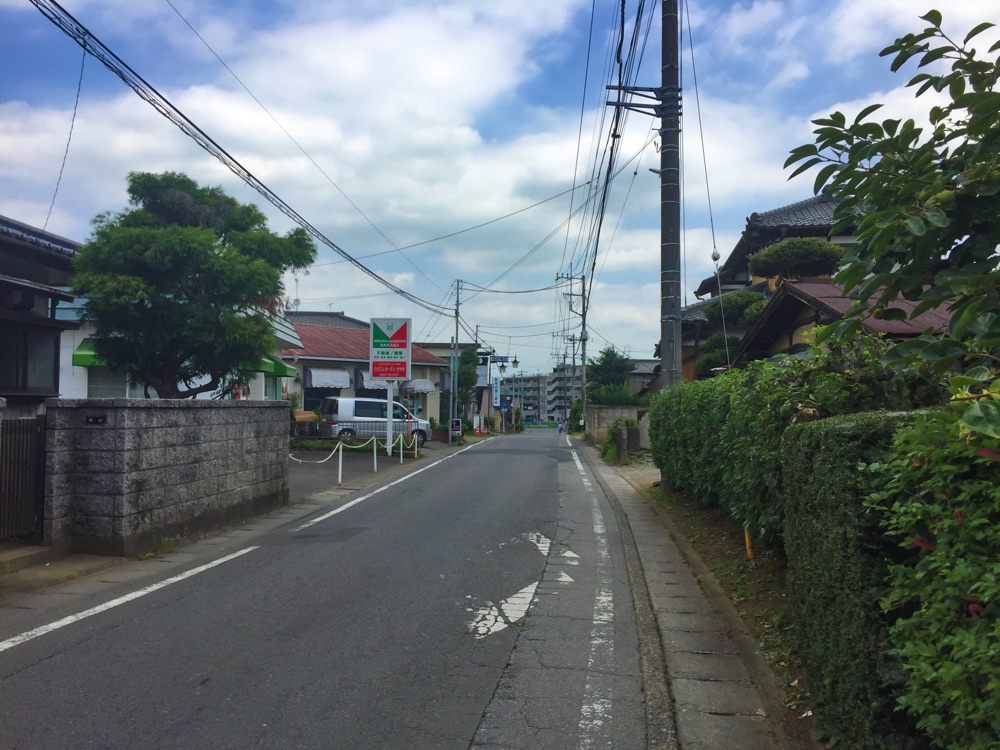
(388,417)
(390,355)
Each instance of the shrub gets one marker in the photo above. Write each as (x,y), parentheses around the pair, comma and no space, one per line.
(837,565)
(796,257)
(609,448)
(843,378)
(612,395)
(714,352)
(940,495)
(753,312)
(684,426)
(732,306)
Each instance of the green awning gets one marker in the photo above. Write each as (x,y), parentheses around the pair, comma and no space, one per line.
(274,366)
(85,356)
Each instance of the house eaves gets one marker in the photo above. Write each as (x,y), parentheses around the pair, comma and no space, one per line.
(826,299)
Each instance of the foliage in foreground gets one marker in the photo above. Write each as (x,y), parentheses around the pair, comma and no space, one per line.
(939,493)
(925,201)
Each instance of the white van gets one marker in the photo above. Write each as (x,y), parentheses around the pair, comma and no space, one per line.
(347,416)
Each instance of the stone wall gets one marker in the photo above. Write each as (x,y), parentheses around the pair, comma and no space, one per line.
(124,475)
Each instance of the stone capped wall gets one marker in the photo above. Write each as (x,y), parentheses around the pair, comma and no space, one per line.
(124,475)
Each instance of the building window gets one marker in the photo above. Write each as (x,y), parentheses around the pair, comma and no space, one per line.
(28,362)
(106,382)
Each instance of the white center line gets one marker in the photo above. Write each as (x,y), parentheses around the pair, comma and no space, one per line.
(39,631)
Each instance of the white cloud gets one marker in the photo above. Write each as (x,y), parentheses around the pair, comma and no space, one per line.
(433,117)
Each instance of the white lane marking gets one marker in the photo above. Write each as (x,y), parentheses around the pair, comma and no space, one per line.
(595,713)
(361,499)
(39,631)
(541,541)
(492,619)
(563,577)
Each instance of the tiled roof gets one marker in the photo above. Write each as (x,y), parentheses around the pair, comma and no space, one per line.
(823,293)
(31,235)
(324,318)
(812,212)
(695,311)
(827,298)
(330,342)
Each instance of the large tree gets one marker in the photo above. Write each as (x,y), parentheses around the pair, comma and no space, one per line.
(610,368)
(607,378)
(180,286)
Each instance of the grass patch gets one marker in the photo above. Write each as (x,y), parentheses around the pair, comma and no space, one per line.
(161,546)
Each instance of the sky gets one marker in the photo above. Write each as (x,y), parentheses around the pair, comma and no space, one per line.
(439,142)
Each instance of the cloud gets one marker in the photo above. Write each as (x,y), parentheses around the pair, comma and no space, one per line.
(424,119)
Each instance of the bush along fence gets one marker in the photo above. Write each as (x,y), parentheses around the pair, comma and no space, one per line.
(888,523)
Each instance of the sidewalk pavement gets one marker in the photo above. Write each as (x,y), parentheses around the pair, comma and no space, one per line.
(721,694)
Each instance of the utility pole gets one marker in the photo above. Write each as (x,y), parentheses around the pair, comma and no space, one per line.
(582,339)
(583,349)
(668,109)
(453,401)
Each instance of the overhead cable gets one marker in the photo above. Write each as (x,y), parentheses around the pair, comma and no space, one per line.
(76,31)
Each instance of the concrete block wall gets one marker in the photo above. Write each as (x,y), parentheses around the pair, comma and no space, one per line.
(123,475)
(600,419)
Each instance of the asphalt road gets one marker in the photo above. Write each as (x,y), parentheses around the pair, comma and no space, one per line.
(480,602)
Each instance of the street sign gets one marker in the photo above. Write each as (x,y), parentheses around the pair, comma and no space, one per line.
(390,348)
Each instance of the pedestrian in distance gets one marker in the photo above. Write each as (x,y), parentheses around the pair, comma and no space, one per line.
(560,427)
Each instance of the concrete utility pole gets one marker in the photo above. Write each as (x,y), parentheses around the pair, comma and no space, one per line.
(453,401)
(668,109)
(582,339)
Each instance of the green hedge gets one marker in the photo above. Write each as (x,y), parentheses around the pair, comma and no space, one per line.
(684,427)
(939,493)
(837,567)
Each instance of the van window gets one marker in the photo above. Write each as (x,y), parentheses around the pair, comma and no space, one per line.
(369,409)
(329,407)
(398,412)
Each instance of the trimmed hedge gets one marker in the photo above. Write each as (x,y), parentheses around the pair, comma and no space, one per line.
(684,427)
(837,568)
(939,493)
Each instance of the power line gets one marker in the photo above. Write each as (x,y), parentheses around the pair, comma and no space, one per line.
(468,229)
(69,139)
(305,153)
(76,31)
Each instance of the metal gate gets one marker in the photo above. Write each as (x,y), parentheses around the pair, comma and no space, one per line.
(22,465)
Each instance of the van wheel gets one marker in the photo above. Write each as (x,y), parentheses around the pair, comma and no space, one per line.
(420,437)
(343,434)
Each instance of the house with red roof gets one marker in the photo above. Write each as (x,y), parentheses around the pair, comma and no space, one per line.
(334,361)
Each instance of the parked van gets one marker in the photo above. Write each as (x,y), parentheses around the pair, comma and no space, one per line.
(347,416)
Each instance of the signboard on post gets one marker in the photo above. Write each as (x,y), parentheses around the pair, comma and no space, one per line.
(390,348)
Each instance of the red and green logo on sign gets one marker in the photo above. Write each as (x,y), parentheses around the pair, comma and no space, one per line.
(383,340)
(390,348)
